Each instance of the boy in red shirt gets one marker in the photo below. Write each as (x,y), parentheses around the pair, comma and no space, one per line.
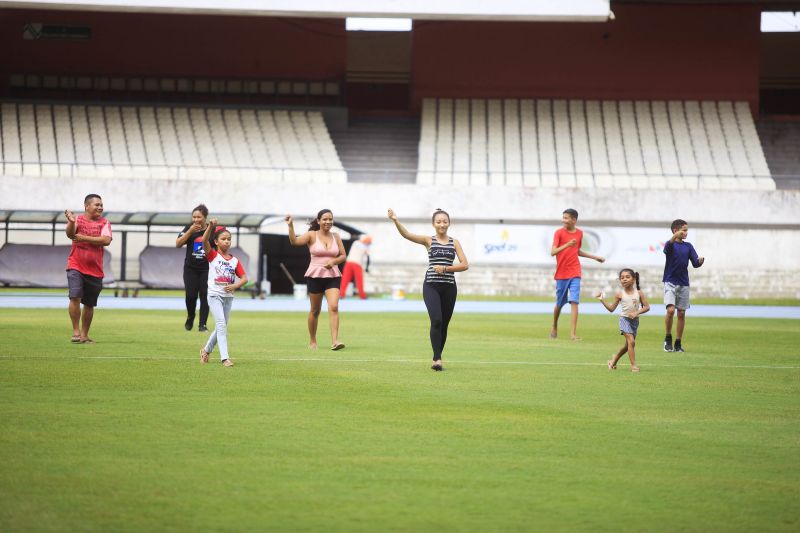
(567,248)
(89,233)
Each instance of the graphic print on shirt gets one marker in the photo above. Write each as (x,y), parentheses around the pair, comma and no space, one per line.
(224,273)
(440,255)
(197,249)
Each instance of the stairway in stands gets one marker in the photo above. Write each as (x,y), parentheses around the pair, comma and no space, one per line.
(781,143)
(379,150)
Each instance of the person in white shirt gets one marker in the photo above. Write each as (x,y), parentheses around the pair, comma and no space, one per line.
(352,270)
(225,275)
(634,303)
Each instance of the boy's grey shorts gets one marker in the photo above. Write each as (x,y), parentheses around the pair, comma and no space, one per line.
(677,295)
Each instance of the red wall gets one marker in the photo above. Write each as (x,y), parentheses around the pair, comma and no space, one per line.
(177,45)
(648,52)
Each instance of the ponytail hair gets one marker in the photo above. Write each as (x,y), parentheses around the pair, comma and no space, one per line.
(634,274)
(313,225)
(440,211)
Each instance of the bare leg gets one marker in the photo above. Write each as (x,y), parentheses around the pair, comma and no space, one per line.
(75,316)
(668,319)
(86,321)
(681,323)
(332,296)
(574,321)
(556,314)
(313,318)
(616,357)
(631,341)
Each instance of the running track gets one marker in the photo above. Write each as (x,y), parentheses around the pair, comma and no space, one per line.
(350,305)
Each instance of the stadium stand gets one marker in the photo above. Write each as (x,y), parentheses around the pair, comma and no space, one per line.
(92,86)
(158,142)
(584,144)
(781,140)
(377,149)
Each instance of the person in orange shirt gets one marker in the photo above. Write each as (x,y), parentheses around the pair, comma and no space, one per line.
(567,248)
(90,233)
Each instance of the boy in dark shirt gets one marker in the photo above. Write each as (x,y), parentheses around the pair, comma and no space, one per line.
(676,281)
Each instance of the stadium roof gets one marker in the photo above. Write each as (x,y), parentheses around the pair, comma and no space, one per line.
(234,220)
(534,10)
(766,5)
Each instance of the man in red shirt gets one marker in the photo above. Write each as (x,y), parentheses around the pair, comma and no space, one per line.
(89,233)
(567,248)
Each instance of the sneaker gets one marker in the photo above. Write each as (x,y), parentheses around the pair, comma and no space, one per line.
(202,328)
(189,323)
(668,343)
(678,347)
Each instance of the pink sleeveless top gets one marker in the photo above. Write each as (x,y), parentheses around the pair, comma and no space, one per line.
(321,255)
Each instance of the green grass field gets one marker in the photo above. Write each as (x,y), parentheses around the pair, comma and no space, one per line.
(519,434)
(148,293)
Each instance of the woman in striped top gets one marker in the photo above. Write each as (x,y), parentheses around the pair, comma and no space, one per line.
(439,289)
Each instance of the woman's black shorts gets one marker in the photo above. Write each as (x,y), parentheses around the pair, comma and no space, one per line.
(318,285)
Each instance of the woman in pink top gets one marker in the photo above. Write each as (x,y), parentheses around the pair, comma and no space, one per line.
(323,276)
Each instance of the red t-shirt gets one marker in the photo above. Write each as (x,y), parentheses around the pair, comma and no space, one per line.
(567,263)
(84,257)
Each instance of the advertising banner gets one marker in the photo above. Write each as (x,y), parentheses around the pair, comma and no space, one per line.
(508,244)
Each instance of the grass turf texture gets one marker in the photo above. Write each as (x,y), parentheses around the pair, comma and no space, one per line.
(133,434)
(148,293)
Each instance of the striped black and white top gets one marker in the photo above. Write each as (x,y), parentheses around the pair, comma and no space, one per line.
(440,254)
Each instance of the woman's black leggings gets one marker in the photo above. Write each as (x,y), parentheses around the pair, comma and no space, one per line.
(196,283)
(440,299)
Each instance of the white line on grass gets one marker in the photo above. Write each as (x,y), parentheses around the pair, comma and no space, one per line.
(412,361)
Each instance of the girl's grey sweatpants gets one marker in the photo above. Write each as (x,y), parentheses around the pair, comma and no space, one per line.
(221,308)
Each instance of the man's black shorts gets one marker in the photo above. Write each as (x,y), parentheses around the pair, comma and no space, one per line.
(87,288)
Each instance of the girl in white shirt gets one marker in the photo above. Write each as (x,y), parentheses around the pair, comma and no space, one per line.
(634,303)
(225,275)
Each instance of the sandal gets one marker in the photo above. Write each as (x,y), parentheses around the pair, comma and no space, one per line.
(337,346)
(203,356)
(227,362)
(611,366)
(87,340)
(634,369)
(75,338)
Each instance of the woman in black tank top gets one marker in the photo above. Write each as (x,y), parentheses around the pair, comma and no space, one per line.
(439,289)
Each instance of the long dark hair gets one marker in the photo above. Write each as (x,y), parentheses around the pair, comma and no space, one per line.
(633,273)
(314,224)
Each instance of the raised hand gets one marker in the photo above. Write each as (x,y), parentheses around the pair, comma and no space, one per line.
(213,222)
(392,215)
(70,215)
(289,220)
